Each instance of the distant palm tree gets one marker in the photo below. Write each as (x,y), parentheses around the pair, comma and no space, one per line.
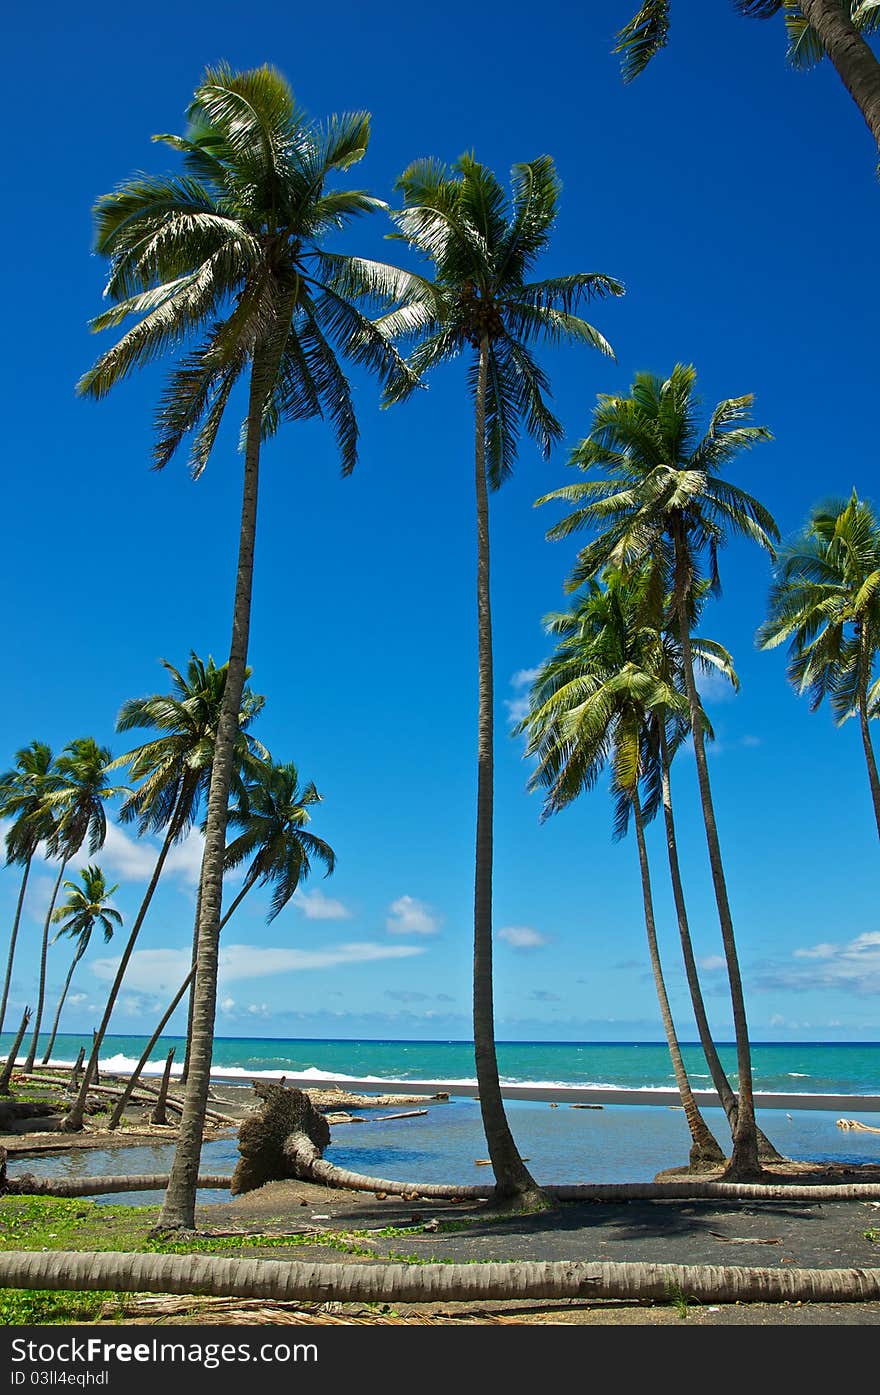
(598,701)
(483,247)
(174,769)
(22,801)
(825,602)
(229,258)
(816,29)
(86,907)
(661,498)
(272,813)
(76,799)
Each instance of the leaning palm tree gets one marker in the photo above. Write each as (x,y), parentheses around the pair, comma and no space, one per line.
(597,702)
(22,802)
(228,260)
(174,769)
(825,603)
(272,812)
(816,29)
(483,247)
(76,801)
(86,907)
(661,497)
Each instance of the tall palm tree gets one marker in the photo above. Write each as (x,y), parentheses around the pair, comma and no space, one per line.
(825,602)
(662,498)
(483,247)
(272,813)
(76,800)
(598,700)
(174,769)
(86,907)
(228,259)
(22,801)
(816,29)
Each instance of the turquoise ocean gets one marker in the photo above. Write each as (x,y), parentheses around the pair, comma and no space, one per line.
(618,1143)
(820,1068)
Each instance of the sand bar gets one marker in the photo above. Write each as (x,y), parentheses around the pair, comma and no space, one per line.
(569,1094)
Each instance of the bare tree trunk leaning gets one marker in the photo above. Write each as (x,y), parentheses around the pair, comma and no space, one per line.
(76,958)
(193,961)
(9,1066)
(73,1121)
(512,1177)
(870,758)
(41,995)
(12,939)
(729,1103)
(704,1146)
(744,1158)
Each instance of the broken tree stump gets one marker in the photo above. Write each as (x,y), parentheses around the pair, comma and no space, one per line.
(158,1115)
(268,1138)
(6,1074)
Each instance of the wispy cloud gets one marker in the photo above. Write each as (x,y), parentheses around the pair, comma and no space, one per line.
(518,707)
(407,916)
(522,936)
(161,970)
(853,967)
(316,906)
(541,995)
(712,962)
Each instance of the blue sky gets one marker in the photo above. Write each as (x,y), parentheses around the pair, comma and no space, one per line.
(734,198)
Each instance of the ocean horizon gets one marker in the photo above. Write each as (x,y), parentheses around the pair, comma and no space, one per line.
(820,1068)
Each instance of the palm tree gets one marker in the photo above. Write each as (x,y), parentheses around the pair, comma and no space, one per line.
(825,602)
(483,246)
(76,800)
(272,813)
(175,772)
(816,28)
(22,800)
(662,498)
(598,700)
(86,906)
(232,252)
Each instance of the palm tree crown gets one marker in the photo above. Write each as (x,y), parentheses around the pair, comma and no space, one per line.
(271,813)
(23,791)
(825,603)
(483,247)
(175,767)
(86,908)
(82,792)
(227,256)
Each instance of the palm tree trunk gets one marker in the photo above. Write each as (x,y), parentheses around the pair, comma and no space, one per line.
(729,1103)
(291,1280)
(193,961)
(76,958)
(704,1146)
(73,1120)
(41,996)
(6,1073)
(512,1177)
(853,58)
(178,1210)
(870,758)
(744,1158)
(135,1076)
(12,939)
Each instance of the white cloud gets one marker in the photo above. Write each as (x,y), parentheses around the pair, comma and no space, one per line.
(227,1005)
(259,1009)
(316,906)
(853,967)
(407,916)
(134,859)
(163,970)
(714,687)
(524,677)
(522,936)
(518,707)
(712,962)
(74,999)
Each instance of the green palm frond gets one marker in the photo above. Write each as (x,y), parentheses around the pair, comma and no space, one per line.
(642,37)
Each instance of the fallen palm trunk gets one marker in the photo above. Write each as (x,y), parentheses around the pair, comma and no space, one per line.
(152,1092)
(854,1124)
(29,1185)
(405,1283)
